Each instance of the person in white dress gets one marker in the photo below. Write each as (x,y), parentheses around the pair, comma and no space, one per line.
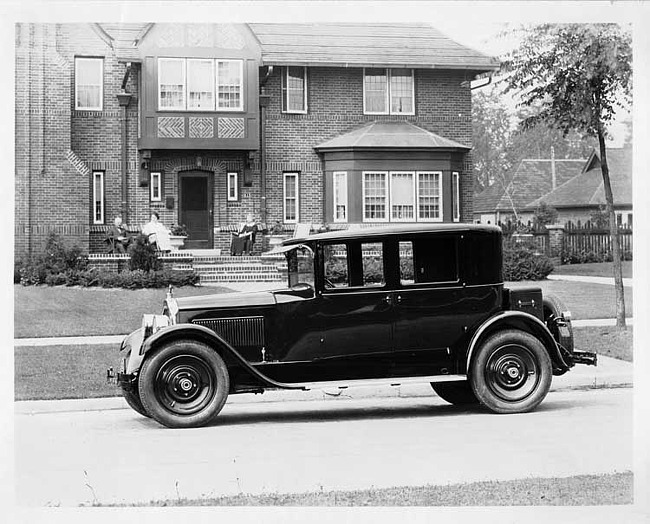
(157,233)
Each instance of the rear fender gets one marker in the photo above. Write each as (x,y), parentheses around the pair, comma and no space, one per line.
(525,322)
(209,337)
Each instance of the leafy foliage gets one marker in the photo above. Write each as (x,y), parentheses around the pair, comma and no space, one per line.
(56,258)
(522,261)
(544,215)
(143,255)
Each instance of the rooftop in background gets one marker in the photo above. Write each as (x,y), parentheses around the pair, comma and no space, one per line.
(337,45)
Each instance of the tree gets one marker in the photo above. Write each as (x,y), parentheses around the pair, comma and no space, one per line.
(578,75)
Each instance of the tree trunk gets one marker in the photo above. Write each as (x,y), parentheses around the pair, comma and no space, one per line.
(613,228)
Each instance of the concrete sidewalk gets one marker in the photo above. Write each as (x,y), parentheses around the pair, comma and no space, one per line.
(610,373)
(590,280)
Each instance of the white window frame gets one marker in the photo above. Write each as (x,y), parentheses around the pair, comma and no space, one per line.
(284,88)
(388,94)
(187,81)
(78,60)
(455,190)
(285,177)
(440,216)
(390,199)
(386,196)
(155,181)
(184,69)
(240,107)
(233,186)
(344,176)
(98,198)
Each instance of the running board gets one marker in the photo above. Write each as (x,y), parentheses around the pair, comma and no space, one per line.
(390,381)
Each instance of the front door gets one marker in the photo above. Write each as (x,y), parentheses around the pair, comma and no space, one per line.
(195,208)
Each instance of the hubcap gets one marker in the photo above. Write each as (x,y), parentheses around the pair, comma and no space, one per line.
(512,372)
(185,384)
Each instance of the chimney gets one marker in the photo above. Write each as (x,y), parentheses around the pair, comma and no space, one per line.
(553,175)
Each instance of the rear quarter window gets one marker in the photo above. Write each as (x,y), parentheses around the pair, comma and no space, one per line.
(429,260)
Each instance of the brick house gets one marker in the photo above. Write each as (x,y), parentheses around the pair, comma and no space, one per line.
(335,124)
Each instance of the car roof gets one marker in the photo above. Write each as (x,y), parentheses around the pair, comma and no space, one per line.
(384,231)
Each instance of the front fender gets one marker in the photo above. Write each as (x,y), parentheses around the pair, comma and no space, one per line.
(209,337)
(526,322)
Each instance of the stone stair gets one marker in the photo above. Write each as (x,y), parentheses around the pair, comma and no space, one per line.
(221,268)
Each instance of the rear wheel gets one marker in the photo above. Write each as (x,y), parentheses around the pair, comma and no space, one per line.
(511,372)
(184,384)
(457,393)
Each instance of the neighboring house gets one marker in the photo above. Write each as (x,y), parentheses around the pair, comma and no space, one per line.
(578,198)
(533,178)
(320,123)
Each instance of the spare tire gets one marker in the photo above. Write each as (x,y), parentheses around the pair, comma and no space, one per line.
(553,309)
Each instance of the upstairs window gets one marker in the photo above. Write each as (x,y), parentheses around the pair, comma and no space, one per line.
(188,84)
(89,83)
(294,90)
(388,91)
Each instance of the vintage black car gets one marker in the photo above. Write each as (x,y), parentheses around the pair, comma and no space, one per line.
(388,306)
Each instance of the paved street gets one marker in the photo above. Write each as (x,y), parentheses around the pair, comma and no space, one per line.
(69,457)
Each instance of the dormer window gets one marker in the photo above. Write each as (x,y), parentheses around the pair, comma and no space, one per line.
(388,92)
(190,84)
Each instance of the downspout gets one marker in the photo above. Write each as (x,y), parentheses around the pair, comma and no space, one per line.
(264,100)
(124,98)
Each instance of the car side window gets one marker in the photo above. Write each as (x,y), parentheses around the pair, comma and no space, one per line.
(335,270)
(430,260)
(372,264)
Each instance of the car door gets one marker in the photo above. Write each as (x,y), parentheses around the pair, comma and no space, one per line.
(355,309)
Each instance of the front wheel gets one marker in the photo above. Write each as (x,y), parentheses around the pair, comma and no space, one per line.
(184,384)
(457,393)
(511,372)
(132,398)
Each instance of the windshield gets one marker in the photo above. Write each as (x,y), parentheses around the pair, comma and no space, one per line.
(300,263)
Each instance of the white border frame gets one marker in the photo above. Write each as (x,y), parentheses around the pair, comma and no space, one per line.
(242,93)
(172,59)
(187,86)
(232,182)
(285,175)
(334,201)
(363,197)
(78,59)
(390,195)
(284,89)
(101,199)
(440,196)
(152,176)
(455,191)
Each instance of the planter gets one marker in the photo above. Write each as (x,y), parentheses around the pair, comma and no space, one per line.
(177,241)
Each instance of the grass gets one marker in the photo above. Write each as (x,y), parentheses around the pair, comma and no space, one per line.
(43,311)
(580,490)
(58,372)
(600,269)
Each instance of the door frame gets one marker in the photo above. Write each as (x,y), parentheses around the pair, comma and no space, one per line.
(209,176)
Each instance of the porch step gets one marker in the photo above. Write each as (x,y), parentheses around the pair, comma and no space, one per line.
(211,268)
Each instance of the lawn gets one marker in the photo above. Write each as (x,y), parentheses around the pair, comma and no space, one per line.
(580,490)
(46,372)
(42,311)
(600,269)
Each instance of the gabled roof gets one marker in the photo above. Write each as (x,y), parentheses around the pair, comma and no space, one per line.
(487,200)
(369,45)
(339,45)
(587,189)
(390,135)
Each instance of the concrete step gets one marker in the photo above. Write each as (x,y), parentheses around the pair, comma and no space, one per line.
(241,277)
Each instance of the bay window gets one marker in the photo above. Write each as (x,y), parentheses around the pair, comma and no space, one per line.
(89,83)
(200,84)
(171,83)
(229,84)
(375,196)
(388,91)
(340,196)
(455,189)
(429,195)
(402,197)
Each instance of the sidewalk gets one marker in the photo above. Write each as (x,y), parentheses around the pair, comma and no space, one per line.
(610,373)
(590,280)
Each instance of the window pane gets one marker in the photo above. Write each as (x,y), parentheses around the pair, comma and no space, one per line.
(229,84)
(375,90)
(372,259)
(98,198)
(155,186)
(294,89)
(290,197)
(375,196)
(435,260)
(341,196)
(336,266)
(429,195)
(456,193)
(402,196)
(200,84)
(401,91)
(88,78)
(406,262)
(172,81)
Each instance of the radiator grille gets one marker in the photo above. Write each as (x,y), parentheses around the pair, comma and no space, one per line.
(241,331)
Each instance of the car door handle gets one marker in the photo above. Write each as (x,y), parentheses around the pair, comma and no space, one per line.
(387,299)
(399,299)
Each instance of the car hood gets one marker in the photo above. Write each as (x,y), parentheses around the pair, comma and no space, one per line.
(227,300)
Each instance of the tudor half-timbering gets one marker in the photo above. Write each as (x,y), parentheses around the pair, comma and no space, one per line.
(333,124)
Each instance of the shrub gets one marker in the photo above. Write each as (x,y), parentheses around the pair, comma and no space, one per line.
(55,259)
(143,255)
(522,261)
